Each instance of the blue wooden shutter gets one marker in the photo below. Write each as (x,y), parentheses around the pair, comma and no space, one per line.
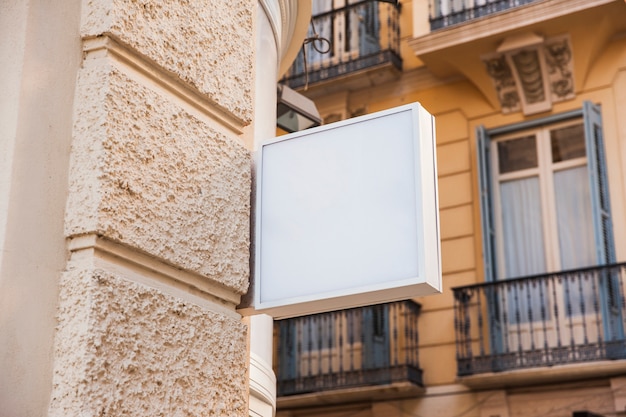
(486,206)
(603,230)
(489,240)
(598,182)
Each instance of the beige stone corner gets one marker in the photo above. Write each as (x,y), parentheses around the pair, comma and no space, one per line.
(149,174)
(205,44)
(125,349)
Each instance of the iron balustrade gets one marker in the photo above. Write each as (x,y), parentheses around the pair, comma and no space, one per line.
(543,320)
(363,34)
(444,13)
(365,346)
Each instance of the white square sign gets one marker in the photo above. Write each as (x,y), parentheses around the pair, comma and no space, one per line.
(347,214)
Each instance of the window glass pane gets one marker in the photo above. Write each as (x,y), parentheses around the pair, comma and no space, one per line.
(517,154)
(522,226)
(567,143)
(524,252)
(573,214)
(576,240)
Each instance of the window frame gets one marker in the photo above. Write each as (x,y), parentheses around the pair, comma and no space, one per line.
(545,172)
(590,114)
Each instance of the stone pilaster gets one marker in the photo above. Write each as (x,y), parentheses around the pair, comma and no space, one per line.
(158,210)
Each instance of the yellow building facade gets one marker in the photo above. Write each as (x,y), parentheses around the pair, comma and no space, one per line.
(529,99)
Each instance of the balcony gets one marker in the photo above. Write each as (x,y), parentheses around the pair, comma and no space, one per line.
(360,36)
(563,318)
(368,350)
(467,37)
(444,13)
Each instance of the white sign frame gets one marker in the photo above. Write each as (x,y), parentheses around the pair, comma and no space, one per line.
(328,217)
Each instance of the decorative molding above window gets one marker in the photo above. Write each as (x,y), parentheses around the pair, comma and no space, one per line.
(530,72)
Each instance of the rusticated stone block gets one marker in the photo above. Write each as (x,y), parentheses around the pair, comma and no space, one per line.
(207,44)
(123,349)
(150,175)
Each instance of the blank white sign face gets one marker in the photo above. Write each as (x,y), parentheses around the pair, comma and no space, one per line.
(347,214)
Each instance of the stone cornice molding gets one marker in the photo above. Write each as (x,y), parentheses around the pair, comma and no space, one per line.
(113,47)
(289,20)
(93,251)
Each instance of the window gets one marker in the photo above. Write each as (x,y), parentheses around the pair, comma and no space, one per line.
(545,209)
(351,26)
(544,196)
(541,201)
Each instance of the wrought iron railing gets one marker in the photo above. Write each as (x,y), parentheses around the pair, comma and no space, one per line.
(444,13)
(361,35)
(365,346)
(543,320)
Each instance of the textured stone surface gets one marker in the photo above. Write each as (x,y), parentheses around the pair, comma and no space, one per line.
(125,349)
(148,174)
(207,44)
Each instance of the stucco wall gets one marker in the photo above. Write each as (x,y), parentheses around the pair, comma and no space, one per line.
(126,349)
(207,44)
(159,172)
(147,173)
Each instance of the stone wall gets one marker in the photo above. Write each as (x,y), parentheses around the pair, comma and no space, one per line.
(148,174)
(207,44)
(157,213)
(127,349)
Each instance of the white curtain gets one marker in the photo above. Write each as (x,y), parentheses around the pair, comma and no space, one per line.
(575,229)
(523,244)
(522,228)
(573,213)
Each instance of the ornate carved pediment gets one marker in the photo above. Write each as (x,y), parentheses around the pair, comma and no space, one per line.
(530,72)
